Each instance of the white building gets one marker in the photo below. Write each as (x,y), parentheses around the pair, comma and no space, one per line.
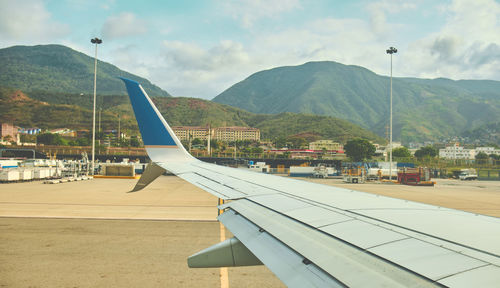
(487,150)
(328,145)
(457,152)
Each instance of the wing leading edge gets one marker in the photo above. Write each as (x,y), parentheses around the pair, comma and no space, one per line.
(321,236)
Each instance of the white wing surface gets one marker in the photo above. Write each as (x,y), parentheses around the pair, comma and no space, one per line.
(312,235)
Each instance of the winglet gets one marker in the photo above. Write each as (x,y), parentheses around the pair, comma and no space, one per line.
(159,139)
(151,172)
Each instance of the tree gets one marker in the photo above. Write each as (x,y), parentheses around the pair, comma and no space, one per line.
(197,141)
(214,144)
(495,157)
(280,142)
(256,150)
(51,139)
(134,141)
(359,149)
(297,142)
(27,138)
(427,151)
(481,157)
(401,152)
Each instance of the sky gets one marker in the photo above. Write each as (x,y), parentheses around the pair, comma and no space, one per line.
(199,48)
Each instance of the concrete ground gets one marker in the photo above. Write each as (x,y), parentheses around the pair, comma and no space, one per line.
(481,197)
(93,234)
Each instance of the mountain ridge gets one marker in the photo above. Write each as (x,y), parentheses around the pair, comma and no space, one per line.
(179,111)
(424,109)
(57,68)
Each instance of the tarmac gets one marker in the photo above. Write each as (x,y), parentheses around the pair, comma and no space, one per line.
(94,234)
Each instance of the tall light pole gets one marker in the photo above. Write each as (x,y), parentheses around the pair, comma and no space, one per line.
(94,41)
(391,51)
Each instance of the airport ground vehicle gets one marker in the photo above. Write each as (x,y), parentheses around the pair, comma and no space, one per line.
(467,174)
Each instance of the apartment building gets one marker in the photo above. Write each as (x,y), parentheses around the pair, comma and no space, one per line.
(227,134)
(191,132)
(236,133)
(328,145)
(7,129)
(457,152)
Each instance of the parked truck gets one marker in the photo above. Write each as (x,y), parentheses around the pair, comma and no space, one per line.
(467,174)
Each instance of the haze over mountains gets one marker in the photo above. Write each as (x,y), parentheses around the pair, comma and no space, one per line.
(423,109)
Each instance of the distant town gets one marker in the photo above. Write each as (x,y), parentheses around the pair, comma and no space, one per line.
(246,141)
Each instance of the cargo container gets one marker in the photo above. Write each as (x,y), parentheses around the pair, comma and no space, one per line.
(320,171)
(26,174)
(9,163)
(9,175)
(41,173)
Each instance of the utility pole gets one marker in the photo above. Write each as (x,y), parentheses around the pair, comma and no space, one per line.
(95,41)
(208,141)
(391,51)
(119,134)
(99,130)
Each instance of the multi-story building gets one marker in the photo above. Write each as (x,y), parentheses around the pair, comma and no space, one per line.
(236,133)
(7,129)
(487,150)
(187,132)
(227,134)
(328,145)
(457,152)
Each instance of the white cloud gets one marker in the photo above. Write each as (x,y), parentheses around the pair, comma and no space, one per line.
(378,11)
(123,25)
(249,11)
(106,5)
(468,46)
(189,56)
(187,69)
(28,20)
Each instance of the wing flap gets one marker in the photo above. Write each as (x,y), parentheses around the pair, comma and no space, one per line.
(344,262)
(487,276)
(213,187)
(289,266)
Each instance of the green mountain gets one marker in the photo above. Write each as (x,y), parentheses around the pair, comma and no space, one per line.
(18,108)
(423,109)
(485,135)
(57,68)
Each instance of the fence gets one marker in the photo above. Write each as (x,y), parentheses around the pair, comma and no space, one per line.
(488,174)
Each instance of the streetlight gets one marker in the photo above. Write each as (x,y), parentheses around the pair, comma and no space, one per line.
(391,51)
(94,41)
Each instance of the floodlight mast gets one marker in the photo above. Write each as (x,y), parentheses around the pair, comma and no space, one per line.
(391,51)
(95,41)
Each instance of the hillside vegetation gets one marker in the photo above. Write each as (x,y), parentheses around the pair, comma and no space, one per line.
(423,109)
(21,110)
(55,112)
(57,68)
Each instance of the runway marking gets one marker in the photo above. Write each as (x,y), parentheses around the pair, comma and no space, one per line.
(111,218)
(111,205)
(224,279)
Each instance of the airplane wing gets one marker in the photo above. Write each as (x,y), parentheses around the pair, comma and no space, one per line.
(312,235)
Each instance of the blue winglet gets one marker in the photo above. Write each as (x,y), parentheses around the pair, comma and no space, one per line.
(151,123)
